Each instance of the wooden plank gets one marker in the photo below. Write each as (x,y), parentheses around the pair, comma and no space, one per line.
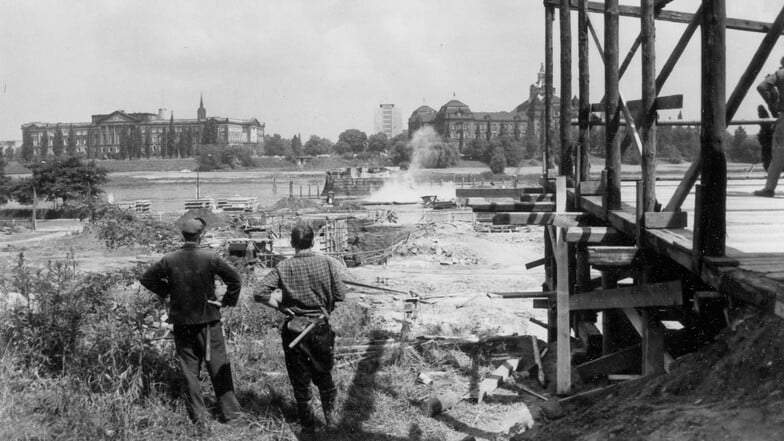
(637,322)
(523,294)
(564,220)
(484,192)
(484,217)
(635,106)
(623,360)
(652,345)
(540,303)
(492,380)
(513,206)
(665,219)
(595,235)
(737,24)
(612,256)
(535,263)
(653,294)
(564,355)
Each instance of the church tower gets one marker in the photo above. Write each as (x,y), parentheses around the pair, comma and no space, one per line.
(201,113)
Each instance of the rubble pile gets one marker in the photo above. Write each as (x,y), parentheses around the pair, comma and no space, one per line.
(443,253)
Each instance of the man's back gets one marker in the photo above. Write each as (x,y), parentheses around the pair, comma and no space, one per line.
(309,282)
(188,277)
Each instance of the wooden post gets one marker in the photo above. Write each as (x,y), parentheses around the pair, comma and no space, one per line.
(610,318)
(565,168)
(648,113)
(35,207)
(549,14)
(585,99)
(714,161)
(564,369)
(612,164)
(291,188)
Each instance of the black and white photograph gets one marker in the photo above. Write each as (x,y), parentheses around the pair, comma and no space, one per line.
(427,220)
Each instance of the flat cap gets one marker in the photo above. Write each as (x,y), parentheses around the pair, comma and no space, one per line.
(192,226)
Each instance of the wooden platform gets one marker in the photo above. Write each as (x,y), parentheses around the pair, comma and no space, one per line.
(752,271)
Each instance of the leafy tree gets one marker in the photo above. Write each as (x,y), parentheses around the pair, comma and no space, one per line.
(182,144)
(5,182)
(210,133)
(58,144)
(378,143)
(342,148)
(65,179)
(317,146)
(296,146)
(439,155)
(148,144)
(189,142)
(9,153)
(478,149)
(70,144)
(513,150)
(276,145)
(171,149)
(44,151)
(498,161)
(163,148)
(357,140)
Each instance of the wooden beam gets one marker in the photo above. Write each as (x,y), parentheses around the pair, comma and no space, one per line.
(668,102)
(737,24)
(649,101)
(710,235)
(637,321)
(523,218)
(564,355)
(513,206)
(522,294)
(612,161)
(595,235)
(535,263)
(653,294)
(665,219)
(540,303)
(544,197)
(612,256)
(592,187)
(549,13)
(565,166)
(497,192)
(584,114)
(623,360)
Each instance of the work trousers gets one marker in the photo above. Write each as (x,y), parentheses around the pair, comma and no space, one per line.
(776,155)
(190,342)
(311,360)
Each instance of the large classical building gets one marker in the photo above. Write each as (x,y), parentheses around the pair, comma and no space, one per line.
(458,125)
(101,136)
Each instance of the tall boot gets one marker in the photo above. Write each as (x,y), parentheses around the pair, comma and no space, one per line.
(306,416)
(328,405)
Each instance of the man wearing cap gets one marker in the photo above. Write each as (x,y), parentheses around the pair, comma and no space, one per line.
(311,285)
(772,91)
(187,277)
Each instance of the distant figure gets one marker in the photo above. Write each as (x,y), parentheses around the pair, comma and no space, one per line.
(310,285)
(772,91)
(187,277)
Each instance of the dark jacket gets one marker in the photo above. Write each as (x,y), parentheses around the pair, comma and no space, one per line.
(188,277)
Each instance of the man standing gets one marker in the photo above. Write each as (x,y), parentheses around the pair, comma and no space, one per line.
(187,277)
(772,91)
(310,285)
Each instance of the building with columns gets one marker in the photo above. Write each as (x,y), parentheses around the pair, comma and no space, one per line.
(458,125)
(100,138)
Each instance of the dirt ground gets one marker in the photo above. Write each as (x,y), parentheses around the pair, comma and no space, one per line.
(732,389)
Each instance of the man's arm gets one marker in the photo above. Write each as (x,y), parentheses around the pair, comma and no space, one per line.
(154,279)
(338,287)
(263,292)
(231,278)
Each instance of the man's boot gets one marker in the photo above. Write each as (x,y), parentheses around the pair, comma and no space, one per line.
(328,405)
(306,416)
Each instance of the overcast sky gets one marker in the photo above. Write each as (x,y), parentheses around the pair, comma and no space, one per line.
(309,67)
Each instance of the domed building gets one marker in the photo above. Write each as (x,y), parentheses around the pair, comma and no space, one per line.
(458,125)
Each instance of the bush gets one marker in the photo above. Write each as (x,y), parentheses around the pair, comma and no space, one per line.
(498,161)
(118,228)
